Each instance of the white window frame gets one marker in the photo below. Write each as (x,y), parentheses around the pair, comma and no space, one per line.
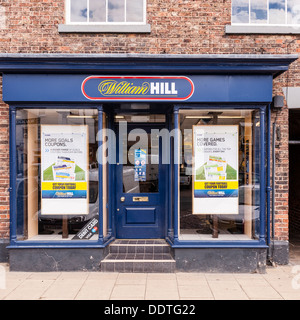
(249,23)
(106,23)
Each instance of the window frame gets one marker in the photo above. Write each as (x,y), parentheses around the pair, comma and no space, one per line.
(253,24)
(263,163)
(15,242)
(106,23)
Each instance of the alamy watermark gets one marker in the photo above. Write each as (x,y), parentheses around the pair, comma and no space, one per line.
(2,17)
(296,278)
(107,151)
(2,278)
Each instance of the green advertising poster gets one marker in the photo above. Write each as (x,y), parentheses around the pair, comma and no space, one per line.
(215,169)
(64,169)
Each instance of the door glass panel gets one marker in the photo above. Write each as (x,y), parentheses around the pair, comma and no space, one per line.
(140,152)
(140,166)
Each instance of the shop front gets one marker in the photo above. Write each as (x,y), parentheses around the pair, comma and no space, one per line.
(160,148)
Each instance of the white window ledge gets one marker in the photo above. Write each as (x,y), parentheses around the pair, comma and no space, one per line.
(244,29)
(71,28)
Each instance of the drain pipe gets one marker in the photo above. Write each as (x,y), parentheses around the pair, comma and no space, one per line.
(273,182)
(271,252)
(268,188)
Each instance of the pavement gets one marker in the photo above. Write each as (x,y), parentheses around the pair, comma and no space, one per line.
(278,283)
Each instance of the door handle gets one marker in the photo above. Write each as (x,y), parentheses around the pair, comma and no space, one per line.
(122,199)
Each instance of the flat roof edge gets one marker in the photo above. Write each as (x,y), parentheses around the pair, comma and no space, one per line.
(131,63)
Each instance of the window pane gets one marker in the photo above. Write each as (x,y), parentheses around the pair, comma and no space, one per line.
(293,12)
(258,11)
(57,193)
(277,11)
(140,156)
(140,173)
(219,175)
(97,10)
(240,11)
(78,11)
(116,11)
(135,10)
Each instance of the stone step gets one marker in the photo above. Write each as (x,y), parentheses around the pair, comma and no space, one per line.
(139,256)
(139,246)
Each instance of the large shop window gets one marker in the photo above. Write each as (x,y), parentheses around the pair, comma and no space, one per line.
(57,175)
(219,175)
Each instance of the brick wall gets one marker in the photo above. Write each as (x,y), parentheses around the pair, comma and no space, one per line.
(294,201)
(4,170)
(177,27)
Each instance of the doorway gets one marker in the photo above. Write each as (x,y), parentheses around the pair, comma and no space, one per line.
(140,178)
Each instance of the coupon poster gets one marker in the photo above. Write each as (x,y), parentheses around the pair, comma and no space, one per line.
(215,169)
(64,169)
(140,158)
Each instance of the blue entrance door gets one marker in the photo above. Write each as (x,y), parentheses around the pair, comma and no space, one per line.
(140,184)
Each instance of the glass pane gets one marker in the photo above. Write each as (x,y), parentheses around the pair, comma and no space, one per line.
(116,11)
(140,167)
(78,11)
(293,12)
(258,11)
(277,11)
(219,175)
(140,151)
(135,11)
(240,11)
(57,174)
(97,10)
(152,118)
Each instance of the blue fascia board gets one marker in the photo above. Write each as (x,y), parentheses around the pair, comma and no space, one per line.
(67,88)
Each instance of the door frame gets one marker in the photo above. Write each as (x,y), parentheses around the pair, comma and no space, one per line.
(163,181)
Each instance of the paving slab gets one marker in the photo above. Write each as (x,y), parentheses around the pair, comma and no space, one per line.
(123,292)
(278,283)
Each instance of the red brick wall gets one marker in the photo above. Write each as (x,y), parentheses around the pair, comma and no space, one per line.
(4,170)
(177,27)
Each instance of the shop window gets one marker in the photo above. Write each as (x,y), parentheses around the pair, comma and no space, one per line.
(219,175)
(266,12)
(57,175)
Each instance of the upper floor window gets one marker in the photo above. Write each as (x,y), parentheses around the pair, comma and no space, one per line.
(266,12)
(106,11)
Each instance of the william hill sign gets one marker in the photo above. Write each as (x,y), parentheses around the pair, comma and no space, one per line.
(141,88)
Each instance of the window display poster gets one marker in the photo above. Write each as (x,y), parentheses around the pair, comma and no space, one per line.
(215,169)
(64,169)
(140,158)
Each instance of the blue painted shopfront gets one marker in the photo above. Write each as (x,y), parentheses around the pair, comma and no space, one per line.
(168,85)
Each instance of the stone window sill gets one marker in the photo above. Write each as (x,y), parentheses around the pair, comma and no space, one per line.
(71,28)
(248,29)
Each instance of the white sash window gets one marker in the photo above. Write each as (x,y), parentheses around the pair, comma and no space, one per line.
(106,12)
(266,12)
